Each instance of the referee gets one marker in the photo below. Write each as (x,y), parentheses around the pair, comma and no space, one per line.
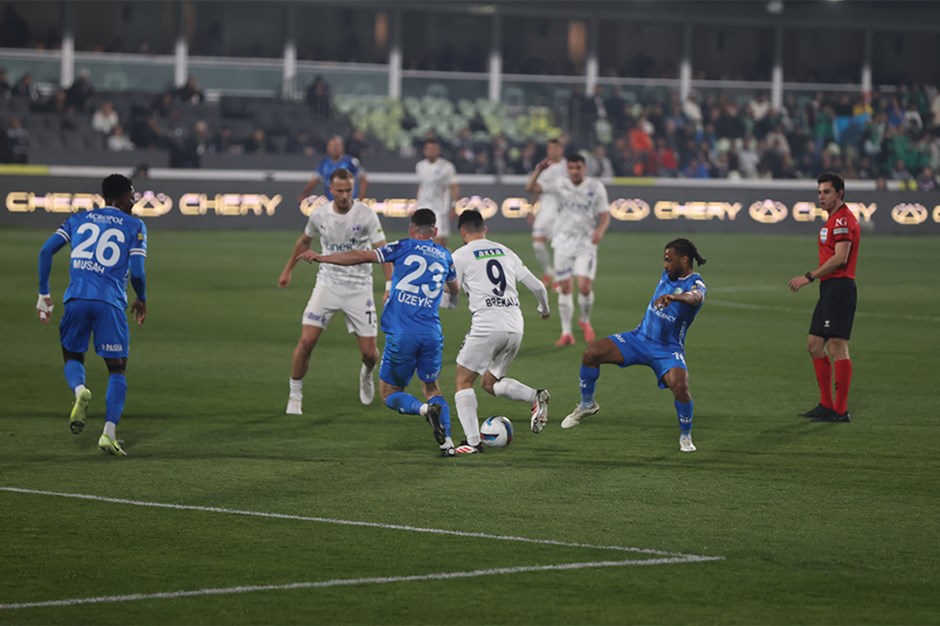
(831,326)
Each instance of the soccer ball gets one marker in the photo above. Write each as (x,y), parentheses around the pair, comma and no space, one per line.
(496,432)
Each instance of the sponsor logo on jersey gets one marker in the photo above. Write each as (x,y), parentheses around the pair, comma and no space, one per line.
(661,314)
(489,253)
(823,235)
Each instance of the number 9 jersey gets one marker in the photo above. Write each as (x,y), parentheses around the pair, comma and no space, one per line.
(421,267)
(103,241)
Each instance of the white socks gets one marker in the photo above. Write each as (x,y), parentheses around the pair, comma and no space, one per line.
(543,257)
(109,430)
(466,401)
(79,390)
(296,388)
(585,302)
(512,389)
(565,311)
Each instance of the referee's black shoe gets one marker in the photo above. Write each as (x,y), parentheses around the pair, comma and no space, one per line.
(817,412)
(834,417)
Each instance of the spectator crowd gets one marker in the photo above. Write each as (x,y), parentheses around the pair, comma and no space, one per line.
(892,135)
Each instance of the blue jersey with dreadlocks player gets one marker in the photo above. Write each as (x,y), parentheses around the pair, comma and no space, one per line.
(658,342)
(668,325)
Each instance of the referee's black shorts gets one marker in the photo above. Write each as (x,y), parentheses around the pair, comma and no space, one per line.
(835,310)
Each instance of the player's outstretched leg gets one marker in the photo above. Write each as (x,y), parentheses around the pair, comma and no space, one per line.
(114,406)
(447,445)
(75,377)
(407,404)
(588,406)
(677,379)
(684,415)
(295,399)
(466,402)
(565,312)
(512,389)
(366,385)
(586,303)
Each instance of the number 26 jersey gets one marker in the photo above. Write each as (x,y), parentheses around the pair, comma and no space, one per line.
(420,269)
(103,241)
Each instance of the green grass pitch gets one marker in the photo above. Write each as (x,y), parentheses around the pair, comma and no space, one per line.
(813,523)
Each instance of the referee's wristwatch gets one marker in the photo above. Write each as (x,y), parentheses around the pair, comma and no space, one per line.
(809,276)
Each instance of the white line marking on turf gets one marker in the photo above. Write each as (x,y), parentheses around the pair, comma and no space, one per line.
(665,558)
(342,522)
(784,309)
(341,582)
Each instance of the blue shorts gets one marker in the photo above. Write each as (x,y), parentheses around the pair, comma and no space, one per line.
(107,322)
(637,350)
(404,354)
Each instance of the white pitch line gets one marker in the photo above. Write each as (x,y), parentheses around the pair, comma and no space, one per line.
(748,306)
(342,582)
(342,522)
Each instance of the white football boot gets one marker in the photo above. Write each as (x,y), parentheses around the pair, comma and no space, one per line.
(574,418)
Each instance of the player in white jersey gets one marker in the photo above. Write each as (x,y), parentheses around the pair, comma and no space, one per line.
(488,272)
(343,224)
(583,218)
(437,187)
(544,222)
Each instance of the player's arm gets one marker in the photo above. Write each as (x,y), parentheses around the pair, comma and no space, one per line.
(349,257)
(838,260)
(44,304)
(603,222)
(386,269)
(302,245)
(532,185)
(139,283)
(692,297)
(533,284)
(309,187)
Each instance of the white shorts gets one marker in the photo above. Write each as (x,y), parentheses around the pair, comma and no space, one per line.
(544,223)
(443,222)
(492,351)
(583,263)
(357,306)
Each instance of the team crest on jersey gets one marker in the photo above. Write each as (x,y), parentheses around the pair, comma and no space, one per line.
(677,291)
(823,235)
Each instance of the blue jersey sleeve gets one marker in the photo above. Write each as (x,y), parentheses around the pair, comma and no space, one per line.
(52,245)
(389,252)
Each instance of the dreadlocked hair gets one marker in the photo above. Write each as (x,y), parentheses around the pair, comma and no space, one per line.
(684,247)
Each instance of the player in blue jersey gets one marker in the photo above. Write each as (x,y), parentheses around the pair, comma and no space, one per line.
(414,340)
(658,342)
(108,244)
(336,158)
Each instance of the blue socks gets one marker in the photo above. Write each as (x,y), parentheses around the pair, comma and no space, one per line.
(404,403)
(114,398)
(74,373)
(445,412)
(684,413)
(589,376)
(407,404)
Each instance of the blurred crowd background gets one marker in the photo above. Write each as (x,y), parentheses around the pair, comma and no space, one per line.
(761,92)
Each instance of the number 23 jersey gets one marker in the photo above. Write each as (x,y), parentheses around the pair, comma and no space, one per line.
(488,272)
(102,241)
(420,269)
